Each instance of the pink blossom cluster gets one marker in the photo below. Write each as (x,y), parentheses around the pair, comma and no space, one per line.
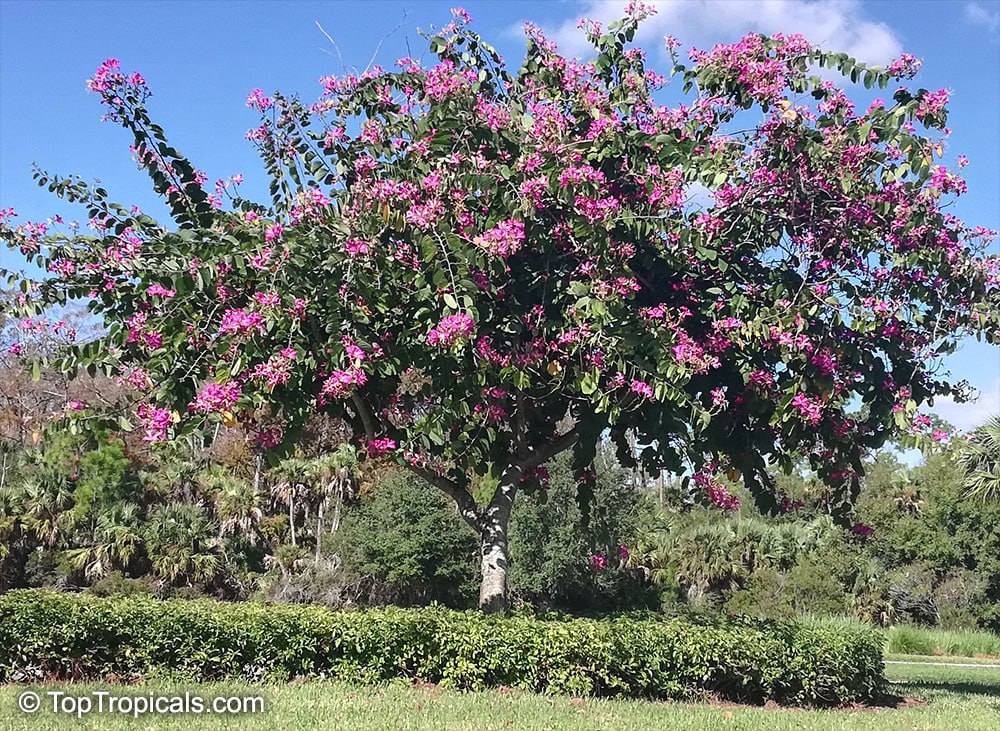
(598,561)
(357,247)
(905,67)
(240,321)
(158,290)
(641,388)
(380,446)
(137,332)
(277,369)
(492,115)
(425,215)
(535,189)
(258,100)
(502,240)
(309,204)
(341,382)
(155,422)
(216,398)
(716,493)
(267,438)
(931,105)
(597,209)
(763,72)
(451,330)
(444,80)
(810,409)
(578,174)
(690,353)
(136,378)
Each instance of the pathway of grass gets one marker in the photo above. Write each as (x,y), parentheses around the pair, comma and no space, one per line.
(957,698)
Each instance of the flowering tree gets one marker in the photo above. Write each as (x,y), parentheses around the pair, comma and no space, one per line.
(478,269)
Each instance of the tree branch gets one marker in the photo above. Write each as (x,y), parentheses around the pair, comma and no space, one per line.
(466,504)
(550,450)
(367,418)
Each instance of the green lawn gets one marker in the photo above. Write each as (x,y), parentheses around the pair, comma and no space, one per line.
(957,698)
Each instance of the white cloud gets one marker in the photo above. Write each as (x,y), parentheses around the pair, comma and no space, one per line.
(978,14)
(972,414)
(834,25)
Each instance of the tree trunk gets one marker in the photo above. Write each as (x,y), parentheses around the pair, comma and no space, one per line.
(493,589)
(495,563)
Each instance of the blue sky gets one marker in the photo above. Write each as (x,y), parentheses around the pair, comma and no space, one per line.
(201,59)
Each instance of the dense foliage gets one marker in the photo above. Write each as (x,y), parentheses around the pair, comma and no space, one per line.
(49,635)
(478,268)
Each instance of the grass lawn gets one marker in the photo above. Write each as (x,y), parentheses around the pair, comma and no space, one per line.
(956,698)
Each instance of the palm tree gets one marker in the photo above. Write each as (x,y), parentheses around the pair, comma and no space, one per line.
(116,541)
(981,460)
(288,486)
(181,543)
(237,503)
(47,509)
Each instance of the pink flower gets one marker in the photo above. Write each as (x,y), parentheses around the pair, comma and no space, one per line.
(277,370)
(155,422)
(716,493)
(932,104)
(425,215)
(239,321)
(451,330)
(259,101)
(502,240)
(158,290)
(357,247)
(341,382)
(267,299)
(906,66)
(216,397)
(810,409)
(598,562)
(267,438)
(273,233)
(380,446)
(642,388)
(940,435)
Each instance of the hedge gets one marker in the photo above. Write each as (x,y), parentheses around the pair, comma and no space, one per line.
(50,635)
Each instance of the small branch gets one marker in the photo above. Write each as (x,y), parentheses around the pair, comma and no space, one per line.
(464,501)
(335,47)
(521,429)
(367,418)
(550,450)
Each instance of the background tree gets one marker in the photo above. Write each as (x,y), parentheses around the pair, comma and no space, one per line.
(478,269)
(980,457)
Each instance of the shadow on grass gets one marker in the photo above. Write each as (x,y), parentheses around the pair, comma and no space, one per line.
(988,689)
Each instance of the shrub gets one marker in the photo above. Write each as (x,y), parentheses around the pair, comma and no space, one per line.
(405,539)
(51,635)
(553,542)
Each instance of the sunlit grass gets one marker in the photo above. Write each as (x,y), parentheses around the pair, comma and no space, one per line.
(955,698)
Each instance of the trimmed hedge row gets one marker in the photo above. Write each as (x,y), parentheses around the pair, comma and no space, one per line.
(51,635)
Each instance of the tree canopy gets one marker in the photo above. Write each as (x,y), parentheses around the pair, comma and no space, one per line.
(478,267)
